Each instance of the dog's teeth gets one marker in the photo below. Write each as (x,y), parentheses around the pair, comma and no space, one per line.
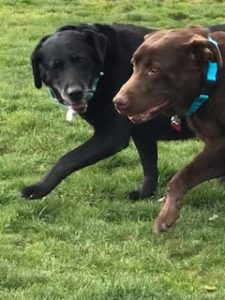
(70,114)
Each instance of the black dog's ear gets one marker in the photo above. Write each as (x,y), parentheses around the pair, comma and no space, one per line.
(98,41)
(35,62)
(68,27)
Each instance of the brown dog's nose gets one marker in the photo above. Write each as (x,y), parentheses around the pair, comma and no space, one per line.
(120,102)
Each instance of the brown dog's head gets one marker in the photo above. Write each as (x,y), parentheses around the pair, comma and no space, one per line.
(169,70)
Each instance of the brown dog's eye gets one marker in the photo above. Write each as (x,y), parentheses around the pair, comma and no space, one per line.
(153,70)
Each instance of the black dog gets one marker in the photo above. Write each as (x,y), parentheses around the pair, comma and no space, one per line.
(70,62)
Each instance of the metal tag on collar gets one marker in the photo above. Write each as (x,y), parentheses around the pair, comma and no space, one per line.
(175,123)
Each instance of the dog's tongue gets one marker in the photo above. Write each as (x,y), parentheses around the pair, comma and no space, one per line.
(79,107)
(149,114)
(74,106)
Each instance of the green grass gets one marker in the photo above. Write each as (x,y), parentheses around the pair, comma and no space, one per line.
(86,240)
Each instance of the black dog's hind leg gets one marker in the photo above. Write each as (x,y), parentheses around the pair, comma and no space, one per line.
(93,150)
(147,149)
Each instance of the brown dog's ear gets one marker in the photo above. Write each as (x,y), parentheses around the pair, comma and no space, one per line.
(149,34)
(202,48)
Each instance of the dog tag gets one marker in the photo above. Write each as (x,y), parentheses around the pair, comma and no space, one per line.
(70,114)
(175,123)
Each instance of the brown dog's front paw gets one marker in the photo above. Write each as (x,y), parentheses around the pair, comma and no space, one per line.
(161,225)
(167,217)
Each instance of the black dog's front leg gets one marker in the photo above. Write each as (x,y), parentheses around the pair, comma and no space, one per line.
(95,149)
(147,149)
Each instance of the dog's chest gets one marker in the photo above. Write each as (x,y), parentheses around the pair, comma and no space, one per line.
(209,130)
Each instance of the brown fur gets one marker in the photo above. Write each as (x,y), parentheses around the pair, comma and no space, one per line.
(169,69)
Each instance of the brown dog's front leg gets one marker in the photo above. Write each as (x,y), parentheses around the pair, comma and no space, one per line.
(172,205)
(205,166)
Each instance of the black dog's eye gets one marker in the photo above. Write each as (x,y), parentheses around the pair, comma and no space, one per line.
(56,64)
(77,59)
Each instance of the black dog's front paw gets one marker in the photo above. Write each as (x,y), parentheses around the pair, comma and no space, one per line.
(35,191)
(146,190)
(139,194)
(134,195)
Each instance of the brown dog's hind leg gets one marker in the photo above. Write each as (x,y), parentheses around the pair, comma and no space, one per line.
(205,166)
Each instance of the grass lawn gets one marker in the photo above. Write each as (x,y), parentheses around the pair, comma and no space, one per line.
(86,240)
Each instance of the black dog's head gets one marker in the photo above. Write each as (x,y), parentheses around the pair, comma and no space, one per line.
(69,63)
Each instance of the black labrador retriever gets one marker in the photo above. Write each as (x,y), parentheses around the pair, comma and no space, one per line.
(71,62)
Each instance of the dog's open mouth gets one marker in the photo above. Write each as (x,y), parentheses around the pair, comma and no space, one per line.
(149,113)
(80,106)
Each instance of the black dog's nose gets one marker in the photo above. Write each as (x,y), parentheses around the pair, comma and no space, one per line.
(75,93)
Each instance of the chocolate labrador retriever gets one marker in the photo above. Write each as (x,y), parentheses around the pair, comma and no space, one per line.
(181,72)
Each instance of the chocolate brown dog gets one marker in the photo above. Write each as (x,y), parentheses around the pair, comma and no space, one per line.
(180,72)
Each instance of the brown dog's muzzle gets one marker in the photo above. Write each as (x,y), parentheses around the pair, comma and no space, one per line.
(126,97)
(135,100)
(120,103)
